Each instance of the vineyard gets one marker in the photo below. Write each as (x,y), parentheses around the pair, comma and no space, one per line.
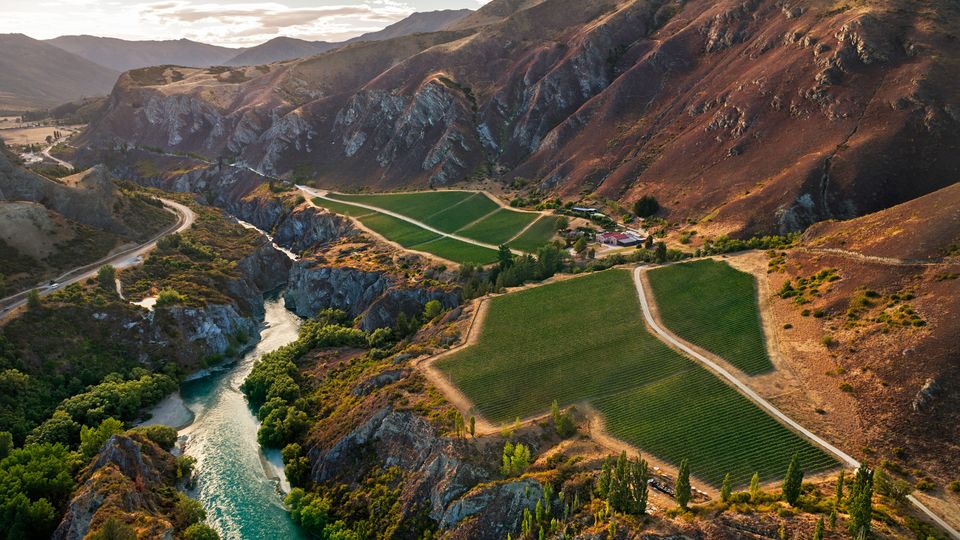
(714,306)
(468,214)
(583,340)
(499,227)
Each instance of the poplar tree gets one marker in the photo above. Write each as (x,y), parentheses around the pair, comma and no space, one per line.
(818,529)
(726,488)
(755,488)
(793,482)
(860,503)
(681,488)
(840,488)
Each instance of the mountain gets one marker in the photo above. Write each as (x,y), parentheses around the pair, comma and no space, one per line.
(430,21)
(741,117)
(285,48)
(279,49)
(35,74)
(123,55)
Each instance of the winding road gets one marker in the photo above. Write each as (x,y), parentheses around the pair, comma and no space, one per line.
(122,259)
(760,401)
(311,192)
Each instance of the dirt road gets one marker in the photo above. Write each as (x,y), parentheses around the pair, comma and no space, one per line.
(123,259)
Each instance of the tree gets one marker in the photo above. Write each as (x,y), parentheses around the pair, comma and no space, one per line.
(431,309)
(516,458)
(646,206)
(833,519)
(895,489)
(6,444)
(580,245)
(648,243)
(473,426)
(505,257)
(33,299)
(562,421)
(726,488)
(860,502)
(295,464)
(92,439)
(660,253)
(681,487)
(793,481)
(755,491)
(818,529)
(839,495)
(107,277)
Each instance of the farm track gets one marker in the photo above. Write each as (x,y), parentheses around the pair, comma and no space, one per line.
(756,398)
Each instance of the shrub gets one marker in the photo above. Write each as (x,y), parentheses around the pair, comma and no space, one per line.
(92,439)
(925,484)
(164,436)
(516,458)
(954,486)
(33,299)
(106,278)
(200,531)
(169,297)
(646,206)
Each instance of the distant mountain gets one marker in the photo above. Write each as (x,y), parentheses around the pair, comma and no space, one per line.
(123,55)
(37,74)
(285,48)
(430,21)
(279,49)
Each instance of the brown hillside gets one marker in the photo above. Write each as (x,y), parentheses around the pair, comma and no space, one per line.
(753,115)
(925,228)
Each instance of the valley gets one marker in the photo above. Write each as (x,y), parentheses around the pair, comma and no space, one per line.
(542,269)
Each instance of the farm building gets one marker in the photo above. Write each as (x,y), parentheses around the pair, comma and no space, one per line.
(628,238)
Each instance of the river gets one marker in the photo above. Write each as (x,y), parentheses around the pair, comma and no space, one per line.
(236,483)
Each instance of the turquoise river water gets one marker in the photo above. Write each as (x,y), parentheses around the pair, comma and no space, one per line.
(236,482)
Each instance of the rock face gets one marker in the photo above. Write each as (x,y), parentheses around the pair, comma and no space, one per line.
(375,297)
(440,473)
(761,115)
(125,476)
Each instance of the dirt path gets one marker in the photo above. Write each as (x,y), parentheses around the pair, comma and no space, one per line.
(870,258)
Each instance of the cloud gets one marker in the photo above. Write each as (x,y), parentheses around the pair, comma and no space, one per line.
(247,23)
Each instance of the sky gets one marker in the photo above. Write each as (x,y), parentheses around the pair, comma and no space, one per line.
(230,23)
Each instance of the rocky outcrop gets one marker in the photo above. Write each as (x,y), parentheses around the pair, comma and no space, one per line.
(375,297)
(313,287)
(437,469)
(127,476)
(927,395)
(383,312)
(216,329)
(496,509)
(307,226)
(267,267)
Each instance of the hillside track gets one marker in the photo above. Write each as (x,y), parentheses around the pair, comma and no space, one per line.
(125,258)
(743,388)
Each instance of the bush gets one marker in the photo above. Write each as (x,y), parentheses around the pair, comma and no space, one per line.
(114,529)
(107,278)
(646,206)
(92,439)
(954,486)
(164,436)
(33,299)
(200,531)
(169,297)
(188,511)
(515,459)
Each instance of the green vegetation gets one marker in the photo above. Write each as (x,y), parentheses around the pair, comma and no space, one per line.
(35,483)
(457,251)
(624,484)
(419,205)
(404,233)
(793,481)
(106,277)
(341,208)
(681,486)
(860,504)
(499,227)
(538,234)
(713,305)
(646,206)
(516,458)
(802,289)
(583,339)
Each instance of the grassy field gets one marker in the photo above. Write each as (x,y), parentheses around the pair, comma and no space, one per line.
(537,235)
(499,227)
(583,339)
(714,306)
(341,208)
